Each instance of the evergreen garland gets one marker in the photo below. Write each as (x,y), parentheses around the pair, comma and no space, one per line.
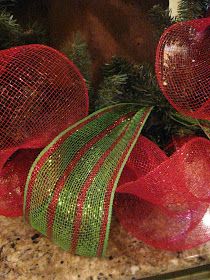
(10,31)
(161,19)
(192,9)
(126,82)
(34,33)
(79,54)
(13,34)
(4,4)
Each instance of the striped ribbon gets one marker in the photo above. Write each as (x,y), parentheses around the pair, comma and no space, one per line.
(70,188)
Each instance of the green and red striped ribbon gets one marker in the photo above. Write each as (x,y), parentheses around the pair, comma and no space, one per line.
(70,188)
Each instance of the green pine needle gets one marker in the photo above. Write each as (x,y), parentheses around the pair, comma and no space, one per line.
(79,54)
(7,4)
(126,82)
(34,33)
(10,30)
(192,9)
(136,83)
(161,19)
(13,34)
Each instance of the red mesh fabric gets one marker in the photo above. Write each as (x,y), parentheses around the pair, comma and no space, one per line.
(41,94)
(183,67)
(176,143)
(166,200)
(12,181)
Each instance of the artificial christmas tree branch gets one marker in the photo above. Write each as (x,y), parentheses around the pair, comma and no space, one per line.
(13,34)
(7,3)
(10,30)
(79,54)
(125,82)
(192,9)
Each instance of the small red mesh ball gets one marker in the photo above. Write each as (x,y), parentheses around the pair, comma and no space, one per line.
(183,67)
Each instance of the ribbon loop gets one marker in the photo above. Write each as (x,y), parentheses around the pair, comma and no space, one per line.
(70,188)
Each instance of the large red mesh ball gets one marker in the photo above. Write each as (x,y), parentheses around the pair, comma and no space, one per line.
(165,202)
(183,67)
(41,94)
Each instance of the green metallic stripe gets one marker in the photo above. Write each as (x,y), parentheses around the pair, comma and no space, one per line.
(52,170)
(36,215)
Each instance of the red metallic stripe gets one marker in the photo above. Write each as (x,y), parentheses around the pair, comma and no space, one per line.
(61,182)
(48,153)
(87,184)
(109,191)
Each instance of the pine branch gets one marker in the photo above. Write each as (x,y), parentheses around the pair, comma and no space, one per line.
(133,83)
(112,86)
(7,4)
(79,54)
(34,34)
(126,82)
(12,34)
(192,9)
(161,19)
(10,31)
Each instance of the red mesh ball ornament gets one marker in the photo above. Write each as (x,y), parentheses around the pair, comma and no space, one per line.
(165,200)
(183,67)
(41,94)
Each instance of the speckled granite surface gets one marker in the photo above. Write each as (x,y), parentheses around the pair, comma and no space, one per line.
(25,254)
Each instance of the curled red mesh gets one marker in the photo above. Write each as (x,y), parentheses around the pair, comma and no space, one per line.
(165,202)
(183,67)
(12,181)
(41,94)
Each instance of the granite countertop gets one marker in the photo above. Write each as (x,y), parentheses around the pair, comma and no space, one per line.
(25,254)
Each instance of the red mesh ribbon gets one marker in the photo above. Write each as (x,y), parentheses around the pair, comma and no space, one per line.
(165,201)
(41,94)
(183,67)
(12,182)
